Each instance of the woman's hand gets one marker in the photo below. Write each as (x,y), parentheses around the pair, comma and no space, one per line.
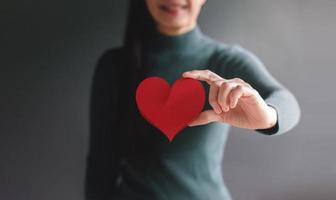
(234,102)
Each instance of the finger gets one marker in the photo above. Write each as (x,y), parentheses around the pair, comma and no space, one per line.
(235,94)
(240,81)
(213,96)
(238,92)
(205,117)
(203,75)
(224,90)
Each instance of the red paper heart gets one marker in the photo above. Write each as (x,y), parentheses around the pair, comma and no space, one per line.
(170,109)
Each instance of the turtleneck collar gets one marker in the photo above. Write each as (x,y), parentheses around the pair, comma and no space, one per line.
(182,42)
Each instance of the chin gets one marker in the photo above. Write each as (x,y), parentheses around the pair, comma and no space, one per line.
(176,24)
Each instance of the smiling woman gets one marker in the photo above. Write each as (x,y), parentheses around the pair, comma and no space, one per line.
(128,158)
(175,17)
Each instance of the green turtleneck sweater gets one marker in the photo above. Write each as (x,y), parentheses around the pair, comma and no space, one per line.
(130,159)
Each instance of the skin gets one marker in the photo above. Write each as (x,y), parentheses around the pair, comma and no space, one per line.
(233,100)
(174,17)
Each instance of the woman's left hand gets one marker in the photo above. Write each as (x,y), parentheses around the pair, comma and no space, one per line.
(234,102)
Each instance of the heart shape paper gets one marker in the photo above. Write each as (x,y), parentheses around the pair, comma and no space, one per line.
(170,109)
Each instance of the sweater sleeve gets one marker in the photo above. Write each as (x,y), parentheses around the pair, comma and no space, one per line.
(239,62)
(103,153)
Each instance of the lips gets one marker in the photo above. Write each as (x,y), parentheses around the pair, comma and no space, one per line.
(173,8)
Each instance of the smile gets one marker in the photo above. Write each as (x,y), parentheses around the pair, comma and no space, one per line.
(173,9)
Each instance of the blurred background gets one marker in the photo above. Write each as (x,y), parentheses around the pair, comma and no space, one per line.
(48,52)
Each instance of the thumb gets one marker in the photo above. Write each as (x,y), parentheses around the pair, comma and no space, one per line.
(205,117)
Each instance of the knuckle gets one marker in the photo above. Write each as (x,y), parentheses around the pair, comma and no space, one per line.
(218,83)
(239,87)
(211,76)
(225,85)
(238,80)
(235,92)
(248,85)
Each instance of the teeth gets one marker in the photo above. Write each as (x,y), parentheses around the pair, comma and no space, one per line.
(174,6)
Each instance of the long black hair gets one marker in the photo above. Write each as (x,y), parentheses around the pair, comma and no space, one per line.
(140,27)
(112,127)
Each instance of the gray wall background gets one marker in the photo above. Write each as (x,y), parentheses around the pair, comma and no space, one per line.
(48,51)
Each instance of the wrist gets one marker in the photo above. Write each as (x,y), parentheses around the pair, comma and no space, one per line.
(271,116)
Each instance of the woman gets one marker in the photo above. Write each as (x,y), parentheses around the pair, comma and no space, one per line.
(130,159)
